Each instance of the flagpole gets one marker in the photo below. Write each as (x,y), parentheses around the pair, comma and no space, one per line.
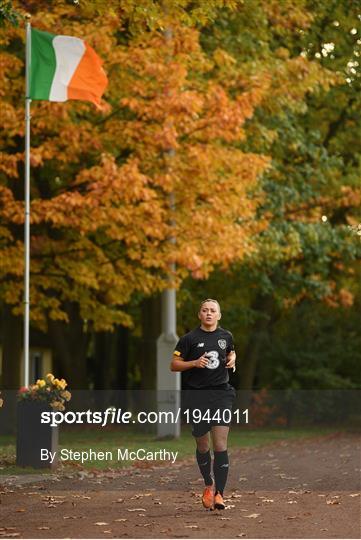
(27,202)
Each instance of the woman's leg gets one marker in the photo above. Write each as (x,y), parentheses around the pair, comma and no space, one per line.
(203,456)
(221,463)
(219,438)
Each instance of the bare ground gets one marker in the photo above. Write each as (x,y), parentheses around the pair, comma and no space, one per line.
(298,489)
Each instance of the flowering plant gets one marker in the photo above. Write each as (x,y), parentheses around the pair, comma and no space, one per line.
(50,390)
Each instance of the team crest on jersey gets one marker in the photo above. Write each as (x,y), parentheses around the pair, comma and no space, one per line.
(213,360)
(222,343)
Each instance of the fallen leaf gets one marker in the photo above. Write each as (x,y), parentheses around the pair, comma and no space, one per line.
(101,523)
(136,509)
(252,515)
(191,526)
(354,494)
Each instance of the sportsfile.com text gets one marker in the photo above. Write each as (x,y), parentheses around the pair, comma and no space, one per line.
(118,416)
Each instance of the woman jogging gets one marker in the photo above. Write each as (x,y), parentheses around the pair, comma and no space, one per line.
(204,356)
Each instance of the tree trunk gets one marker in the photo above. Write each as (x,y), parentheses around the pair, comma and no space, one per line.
(122,337)
(70,344)
(111,367)
(264,305)
(146,398)
(151,329)
(12,344)
(12,340)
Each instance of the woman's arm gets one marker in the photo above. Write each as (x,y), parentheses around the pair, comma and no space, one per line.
(178,364)
(231,360)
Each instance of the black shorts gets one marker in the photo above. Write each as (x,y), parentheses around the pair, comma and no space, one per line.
(208,407)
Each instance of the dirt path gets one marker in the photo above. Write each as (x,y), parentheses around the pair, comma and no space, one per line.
(303,489)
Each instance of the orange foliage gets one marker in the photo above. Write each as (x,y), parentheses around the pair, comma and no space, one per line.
(117,197)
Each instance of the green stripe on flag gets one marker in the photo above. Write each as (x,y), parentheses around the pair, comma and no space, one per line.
(43,64)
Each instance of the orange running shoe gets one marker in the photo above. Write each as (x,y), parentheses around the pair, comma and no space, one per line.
(208,496)
(219,502)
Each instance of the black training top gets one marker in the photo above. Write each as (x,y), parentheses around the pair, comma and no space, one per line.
(213,345)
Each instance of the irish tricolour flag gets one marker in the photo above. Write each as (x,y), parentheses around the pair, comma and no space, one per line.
(64,67)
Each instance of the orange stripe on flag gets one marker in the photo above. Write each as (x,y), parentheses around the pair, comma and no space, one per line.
(89,80)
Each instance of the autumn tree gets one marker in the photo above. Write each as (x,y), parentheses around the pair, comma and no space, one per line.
(106,197)
(307,253)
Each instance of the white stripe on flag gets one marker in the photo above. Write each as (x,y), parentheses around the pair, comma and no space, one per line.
(68,52)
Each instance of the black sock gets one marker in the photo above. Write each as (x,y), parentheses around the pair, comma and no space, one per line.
(220,469)
(204,464)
